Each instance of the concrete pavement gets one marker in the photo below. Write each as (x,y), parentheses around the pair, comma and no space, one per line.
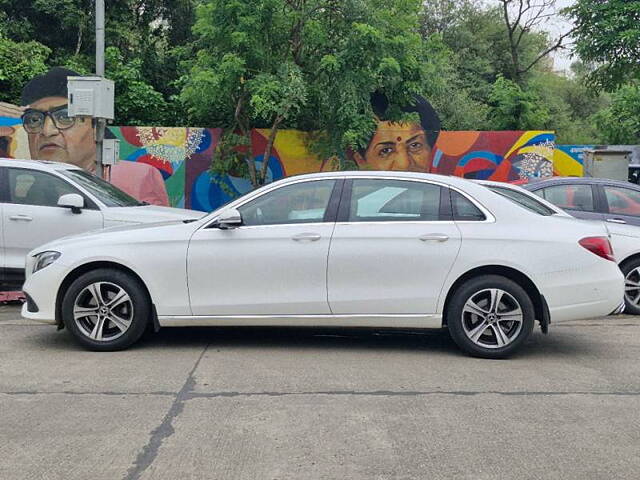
(319,404)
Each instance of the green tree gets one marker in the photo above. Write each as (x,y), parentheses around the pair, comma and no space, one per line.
(620,122)
(513,108)
(571,106)
(151,36)
(608,35)
(19,62)
(138,103)
(307,64)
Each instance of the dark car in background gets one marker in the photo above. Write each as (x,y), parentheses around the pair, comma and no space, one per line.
(613,202)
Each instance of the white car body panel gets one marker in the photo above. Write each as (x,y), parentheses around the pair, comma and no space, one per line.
(254,257)
(364,279)
(282,282)
(25,227)
(625,238)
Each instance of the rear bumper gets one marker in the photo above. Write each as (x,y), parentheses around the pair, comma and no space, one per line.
(595,293)
(619,309)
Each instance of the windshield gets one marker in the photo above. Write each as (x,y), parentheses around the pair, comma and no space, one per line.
(102,190)
(522,199)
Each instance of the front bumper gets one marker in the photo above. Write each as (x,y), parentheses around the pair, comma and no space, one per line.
(43,288)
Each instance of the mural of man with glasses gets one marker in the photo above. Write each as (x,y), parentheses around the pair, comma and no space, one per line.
(55,136)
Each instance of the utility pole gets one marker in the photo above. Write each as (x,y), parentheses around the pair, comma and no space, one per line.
(100,122)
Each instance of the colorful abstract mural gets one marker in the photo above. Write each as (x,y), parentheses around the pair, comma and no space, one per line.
(568,160)
(183,157)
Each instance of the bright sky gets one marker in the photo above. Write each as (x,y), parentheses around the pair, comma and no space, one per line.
(555,26)
(562,60)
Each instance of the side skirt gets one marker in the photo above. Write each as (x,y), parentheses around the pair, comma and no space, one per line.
(382,321)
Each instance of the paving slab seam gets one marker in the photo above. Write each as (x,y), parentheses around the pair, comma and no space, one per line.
(116,394)
(388,393)
(150,451)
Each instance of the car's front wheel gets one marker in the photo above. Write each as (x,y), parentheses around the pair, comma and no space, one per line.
(106,309)
(490,316)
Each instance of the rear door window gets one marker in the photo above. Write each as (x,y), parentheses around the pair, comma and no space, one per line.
(623,201)
(464,209)
(570,197)
(376,200)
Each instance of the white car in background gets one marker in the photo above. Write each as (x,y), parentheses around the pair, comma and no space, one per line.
(42,201)
(352,249)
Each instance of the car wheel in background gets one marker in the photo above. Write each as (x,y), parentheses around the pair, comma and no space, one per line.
(631,271)
(490,316)
(106,309)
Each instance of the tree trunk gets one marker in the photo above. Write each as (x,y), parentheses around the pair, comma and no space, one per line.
(268,148)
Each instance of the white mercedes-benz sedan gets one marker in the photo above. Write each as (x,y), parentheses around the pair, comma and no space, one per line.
(348,249)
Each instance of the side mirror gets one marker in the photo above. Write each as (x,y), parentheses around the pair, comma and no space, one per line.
(229,219)
(73,201)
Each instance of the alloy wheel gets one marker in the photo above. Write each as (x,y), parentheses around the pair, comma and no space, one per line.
(632,287)
(492,318)
(103,311)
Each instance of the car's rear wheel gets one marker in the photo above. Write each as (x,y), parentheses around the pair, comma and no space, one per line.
(490,316)
(106,309)
(631,271)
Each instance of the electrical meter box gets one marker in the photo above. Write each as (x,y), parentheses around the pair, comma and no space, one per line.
(110,151)
(91,97)
(605,163)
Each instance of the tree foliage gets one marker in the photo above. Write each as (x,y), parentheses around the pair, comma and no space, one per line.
(313,64)
(19,62)
(308,64)
(150,36)
(608,36)
(513,108)
(620,122)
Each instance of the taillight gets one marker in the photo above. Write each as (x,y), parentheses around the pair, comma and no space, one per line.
(600,246)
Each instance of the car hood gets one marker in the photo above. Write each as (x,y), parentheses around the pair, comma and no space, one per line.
(111,235)
(147,214)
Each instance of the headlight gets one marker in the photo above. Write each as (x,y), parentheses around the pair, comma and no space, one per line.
(45,259)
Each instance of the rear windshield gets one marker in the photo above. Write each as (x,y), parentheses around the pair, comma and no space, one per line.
(522,199)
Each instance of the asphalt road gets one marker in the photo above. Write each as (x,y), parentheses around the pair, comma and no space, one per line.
(319,404)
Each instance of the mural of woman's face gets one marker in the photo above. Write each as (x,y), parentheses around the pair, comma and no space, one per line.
(75,145)
(397,146)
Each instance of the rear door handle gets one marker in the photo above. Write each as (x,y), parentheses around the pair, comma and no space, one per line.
(306,237)
(434,237)
(24,218)
(615,220)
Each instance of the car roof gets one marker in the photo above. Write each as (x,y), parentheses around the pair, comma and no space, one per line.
(579,180)
(43,165)
(448,179)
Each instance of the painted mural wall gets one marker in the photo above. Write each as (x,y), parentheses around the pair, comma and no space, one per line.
(183,157)
(568,160)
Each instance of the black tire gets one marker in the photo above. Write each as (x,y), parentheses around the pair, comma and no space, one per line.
(628,267)
(476,288)
(138,309)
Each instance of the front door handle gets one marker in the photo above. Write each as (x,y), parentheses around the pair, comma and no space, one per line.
(24,218)
(434,237)
(616,220)
(306,237)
